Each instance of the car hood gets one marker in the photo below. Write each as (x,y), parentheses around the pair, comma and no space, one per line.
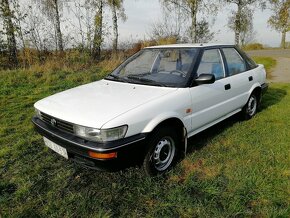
(96,103)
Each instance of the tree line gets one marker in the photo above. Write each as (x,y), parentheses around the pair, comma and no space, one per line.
(39,24)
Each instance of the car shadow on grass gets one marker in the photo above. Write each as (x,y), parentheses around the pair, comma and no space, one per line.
(200,140)
(271,97)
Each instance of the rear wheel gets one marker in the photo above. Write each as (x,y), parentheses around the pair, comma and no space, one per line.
(162,153)
(250,109)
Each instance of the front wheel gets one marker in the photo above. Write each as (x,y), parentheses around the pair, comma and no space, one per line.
(162,152)
(250,109)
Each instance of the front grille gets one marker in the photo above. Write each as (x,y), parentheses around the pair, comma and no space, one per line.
(57,123)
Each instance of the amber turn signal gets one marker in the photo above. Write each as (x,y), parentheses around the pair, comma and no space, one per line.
(188,111)
(102,155)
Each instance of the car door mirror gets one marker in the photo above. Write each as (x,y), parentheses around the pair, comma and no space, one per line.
(205,79)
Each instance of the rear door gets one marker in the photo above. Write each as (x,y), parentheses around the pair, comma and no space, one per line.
(239,77)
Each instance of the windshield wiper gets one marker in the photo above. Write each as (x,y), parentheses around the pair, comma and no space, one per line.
(115,78)
(145,80)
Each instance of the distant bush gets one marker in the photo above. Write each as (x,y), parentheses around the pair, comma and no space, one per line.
(75,59)
(4,62)
(110,64)
(253,46)
(147,43)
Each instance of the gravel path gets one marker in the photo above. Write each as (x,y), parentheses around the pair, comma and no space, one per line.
(281,73)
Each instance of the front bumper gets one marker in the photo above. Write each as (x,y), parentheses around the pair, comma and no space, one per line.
(264,88)
(129,150)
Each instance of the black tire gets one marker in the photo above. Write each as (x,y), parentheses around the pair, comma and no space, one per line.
(251,108)
(162,153)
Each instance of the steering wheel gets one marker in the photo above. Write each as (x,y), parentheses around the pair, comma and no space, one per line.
(181,73)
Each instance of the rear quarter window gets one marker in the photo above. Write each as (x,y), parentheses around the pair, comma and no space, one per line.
(251,63)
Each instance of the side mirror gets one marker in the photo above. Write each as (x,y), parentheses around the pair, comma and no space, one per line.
(205,79)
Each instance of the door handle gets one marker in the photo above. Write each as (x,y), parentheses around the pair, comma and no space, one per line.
(250,78)
(227,86)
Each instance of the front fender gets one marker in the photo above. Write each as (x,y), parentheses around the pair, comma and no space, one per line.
(159,119)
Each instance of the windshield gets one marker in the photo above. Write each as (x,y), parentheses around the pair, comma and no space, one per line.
(159,67)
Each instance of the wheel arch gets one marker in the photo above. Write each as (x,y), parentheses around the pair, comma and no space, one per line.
(257,90)
(173,121)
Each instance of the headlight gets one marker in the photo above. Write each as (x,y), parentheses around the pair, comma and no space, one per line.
(101,135)
(37,113)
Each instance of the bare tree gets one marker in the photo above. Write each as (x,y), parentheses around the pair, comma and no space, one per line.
(166,29)
(80,16)
(52,9)
(85,12)
(172,25)
(203,33)
(98,33)
(248,36)
(89,26)
(244,24)
(239,15)
(20,14)
(280,20)
(117,11)
(38,35)
(77,8)
(163,29)
(34,25)
(9,28)
(2,43)
(191,8)
(90,21)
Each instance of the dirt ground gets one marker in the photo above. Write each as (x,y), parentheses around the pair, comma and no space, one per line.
(281,73)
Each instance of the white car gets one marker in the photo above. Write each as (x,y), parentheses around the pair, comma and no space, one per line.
(147,108)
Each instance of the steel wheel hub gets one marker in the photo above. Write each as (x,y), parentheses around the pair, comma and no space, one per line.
(164,153)
(252,106)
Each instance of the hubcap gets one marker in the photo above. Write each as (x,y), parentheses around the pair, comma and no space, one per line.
(164,153)
(252,106)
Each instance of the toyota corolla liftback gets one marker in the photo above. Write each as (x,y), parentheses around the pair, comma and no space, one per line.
(147,108)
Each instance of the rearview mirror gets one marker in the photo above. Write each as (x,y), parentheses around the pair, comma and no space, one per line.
(205,79)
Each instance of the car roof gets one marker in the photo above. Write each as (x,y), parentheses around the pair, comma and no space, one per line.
(200,45)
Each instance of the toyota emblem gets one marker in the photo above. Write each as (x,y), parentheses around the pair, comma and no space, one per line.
(53,122)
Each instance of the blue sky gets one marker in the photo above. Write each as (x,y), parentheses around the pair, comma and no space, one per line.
(141,14)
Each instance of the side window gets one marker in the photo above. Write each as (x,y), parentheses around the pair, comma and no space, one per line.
(211,63)
(235,62)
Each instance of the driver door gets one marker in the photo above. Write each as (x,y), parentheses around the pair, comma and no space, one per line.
(209,101)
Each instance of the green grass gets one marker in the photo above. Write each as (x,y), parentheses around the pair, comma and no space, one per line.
(268,62)
(234,169)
